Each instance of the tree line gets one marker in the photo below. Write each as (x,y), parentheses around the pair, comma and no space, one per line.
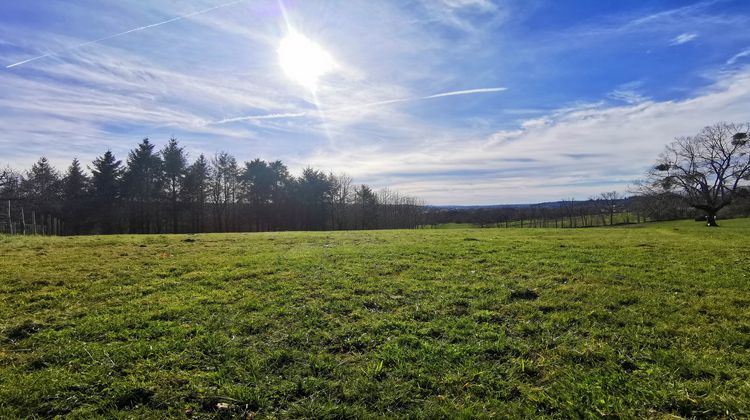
(605,209)
(704,176)
(159,191)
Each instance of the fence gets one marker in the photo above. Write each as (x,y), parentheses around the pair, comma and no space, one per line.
(18,228)
(14,221)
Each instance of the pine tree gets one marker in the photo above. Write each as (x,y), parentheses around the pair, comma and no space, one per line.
(41,188)
(75,186)
(257,182)
(367,206)
(105,190)
(195,189)
(174,172)
(142,181)
(313,192)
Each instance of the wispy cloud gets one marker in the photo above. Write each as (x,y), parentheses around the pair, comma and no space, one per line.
(627,96)
(329,111)
(455,13)
(129,31)
(737,57)
(565,128)
(629,93)
(260,117)
(482,5)
(576,151)
(683,38)
(678,13)
(682,20)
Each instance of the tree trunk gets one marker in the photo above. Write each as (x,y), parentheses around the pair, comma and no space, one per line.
(174,208)
(711,220)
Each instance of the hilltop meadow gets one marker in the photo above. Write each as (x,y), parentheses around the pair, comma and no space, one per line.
(649,320)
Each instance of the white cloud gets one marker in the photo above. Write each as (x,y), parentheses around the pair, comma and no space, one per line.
(740,55)
(106,98)
(682,20)
(482,5)
(454,12)
(578,152)
(150,84)
(629,93)
(355,107)
(127,32)
(217,65)
(683,38)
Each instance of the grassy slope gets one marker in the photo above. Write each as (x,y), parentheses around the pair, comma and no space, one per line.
(644,321)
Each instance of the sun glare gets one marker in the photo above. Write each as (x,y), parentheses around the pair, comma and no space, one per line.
(303,60)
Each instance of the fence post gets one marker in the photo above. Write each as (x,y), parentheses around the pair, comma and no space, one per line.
(10,221)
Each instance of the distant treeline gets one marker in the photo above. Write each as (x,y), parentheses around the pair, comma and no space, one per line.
(160,192)
(606,209)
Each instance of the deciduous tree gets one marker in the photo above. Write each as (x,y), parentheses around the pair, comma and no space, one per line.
(707,169)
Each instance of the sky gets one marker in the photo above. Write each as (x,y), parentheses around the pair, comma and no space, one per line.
(453,101)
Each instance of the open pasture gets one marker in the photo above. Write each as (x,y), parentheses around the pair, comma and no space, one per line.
(649,320)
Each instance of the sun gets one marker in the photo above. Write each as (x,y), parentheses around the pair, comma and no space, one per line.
(304,61)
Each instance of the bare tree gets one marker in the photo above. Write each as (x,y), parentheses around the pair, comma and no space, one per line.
(341,194)
(706,169)
(224,189)
(608,202)
(5,177)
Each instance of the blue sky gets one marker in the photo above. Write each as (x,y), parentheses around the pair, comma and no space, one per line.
(575,97)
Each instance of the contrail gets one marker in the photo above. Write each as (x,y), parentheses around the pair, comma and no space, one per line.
(130,31)
(465,92)
(353,107)
(260,117)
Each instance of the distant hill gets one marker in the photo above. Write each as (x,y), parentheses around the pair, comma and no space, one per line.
(545,205)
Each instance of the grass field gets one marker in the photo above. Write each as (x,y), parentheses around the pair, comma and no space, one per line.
(649,320)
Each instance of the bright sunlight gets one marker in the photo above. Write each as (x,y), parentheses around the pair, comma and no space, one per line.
(303,60)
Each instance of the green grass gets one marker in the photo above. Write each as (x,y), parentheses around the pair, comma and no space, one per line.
(450,226)
(640,321)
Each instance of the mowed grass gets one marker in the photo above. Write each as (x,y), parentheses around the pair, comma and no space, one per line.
(642,321)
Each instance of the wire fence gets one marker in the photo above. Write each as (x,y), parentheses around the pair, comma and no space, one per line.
(18,228)
(15,221)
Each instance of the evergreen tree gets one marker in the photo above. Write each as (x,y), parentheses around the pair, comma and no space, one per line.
(175,162)
(314,192)
(75,186)
(195,190)
(143,180)
(366,207)
(105,190)
(258,181)
(157,189)
(41,188)
(280,195)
